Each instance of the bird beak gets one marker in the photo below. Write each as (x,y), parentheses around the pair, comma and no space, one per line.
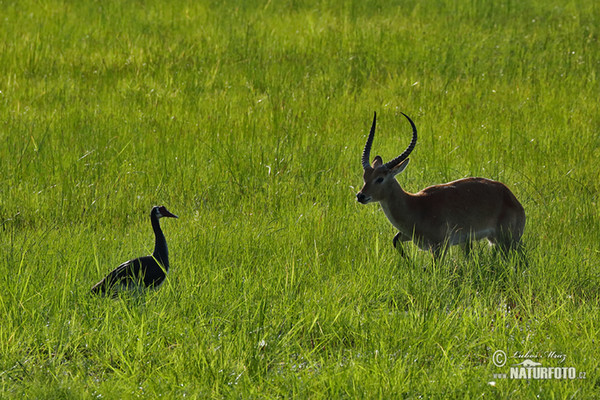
(166,213)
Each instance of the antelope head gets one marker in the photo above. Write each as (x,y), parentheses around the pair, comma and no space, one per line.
(379,178)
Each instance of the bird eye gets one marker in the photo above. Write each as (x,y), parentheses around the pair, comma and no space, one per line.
(379,180)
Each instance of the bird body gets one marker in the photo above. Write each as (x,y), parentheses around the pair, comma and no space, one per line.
(143,272)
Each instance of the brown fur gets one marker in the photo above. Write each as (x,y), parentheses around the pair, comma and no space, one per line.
(452,213)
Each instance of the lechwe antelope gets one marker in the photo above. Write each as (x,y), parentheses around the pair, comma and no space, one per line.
(457,212)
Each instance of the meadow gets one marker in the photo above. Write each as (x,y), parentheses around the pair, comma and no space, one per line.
(247,120)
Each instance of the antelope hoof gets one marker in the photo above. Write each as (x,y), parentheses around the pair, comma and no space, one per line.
(395,240)
(398,246)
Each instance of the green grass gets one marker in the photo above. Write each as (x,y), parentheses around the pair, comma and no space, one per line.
(247,120)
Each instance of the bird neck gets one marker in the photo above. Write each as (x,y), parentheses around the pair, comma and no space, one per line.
(161,252)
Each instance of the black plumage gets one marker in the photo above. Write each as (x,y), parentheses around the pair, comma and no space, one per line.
(144,272)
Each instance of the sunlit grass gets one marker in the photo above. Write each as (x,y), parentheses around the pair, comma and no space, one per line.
(248,121)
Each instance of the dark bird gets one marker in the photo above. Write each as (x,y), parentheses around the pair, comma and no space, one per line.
(143,272)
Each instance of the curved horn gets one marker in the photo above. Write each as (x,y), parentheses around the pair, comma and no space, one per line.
(411,146)
(367,149)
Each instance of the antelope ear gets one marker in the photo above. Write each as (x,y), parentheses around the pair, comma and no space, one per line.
(377,162)
(400,167)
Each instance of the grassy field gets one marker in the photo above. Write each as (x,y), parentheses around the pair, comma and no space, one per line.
(247,119)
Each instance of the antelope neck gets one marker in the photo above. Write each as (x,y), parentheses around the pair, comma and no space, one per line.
(393,206)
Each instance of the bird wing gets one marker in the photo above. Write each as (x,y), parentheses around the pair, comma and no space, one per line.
(128,271)
(144,271)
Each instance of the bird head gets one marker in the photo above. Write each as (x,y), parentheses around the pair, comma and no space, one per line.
(161,211)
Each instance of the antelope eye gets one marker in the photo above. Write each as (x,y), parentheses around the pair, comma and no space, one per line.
(379,180)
